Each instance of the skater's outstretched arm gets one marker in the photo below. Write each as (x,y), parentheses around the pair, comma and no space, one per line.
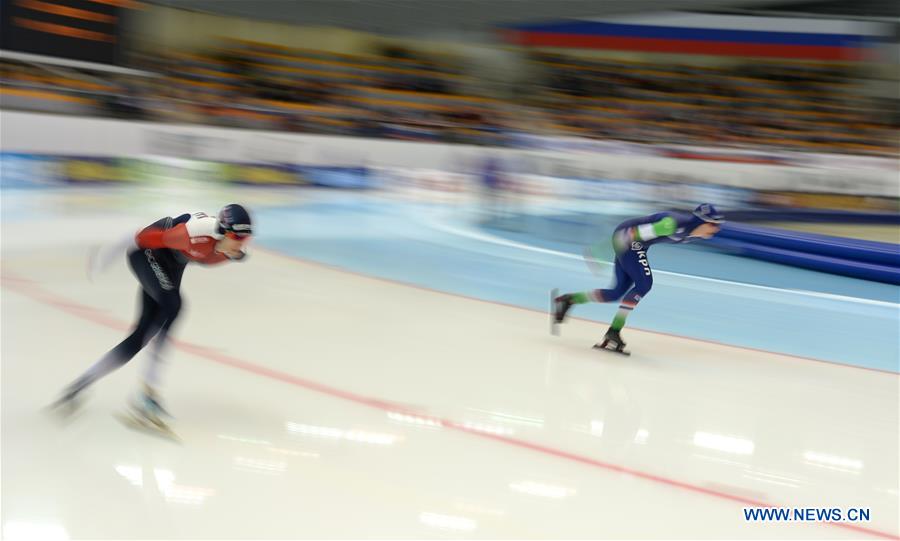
(644,232)
(102,256)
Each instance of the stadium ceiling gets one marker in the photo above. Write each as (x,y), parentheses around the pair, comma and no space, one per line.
(423,17)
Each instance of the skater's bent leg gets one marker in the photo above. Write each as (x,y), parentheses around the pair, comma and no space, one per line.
(154,363)
(620,286)
(632,298)
(169,310)
(144,330)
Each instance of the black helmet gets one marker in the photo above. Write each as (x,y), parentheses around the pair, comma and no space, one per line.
(234,218)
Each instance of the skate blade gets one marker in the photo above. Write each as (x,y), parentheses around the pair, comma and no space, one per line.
(602,346)
(554,326)
(134,422)
(65,412)
(62,409)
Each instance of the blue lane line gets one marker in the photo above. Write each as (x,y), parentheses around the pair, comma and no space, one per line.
(389,240)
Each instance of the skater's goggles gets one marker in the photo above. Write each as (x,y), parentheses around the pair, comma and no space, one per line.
(240,237)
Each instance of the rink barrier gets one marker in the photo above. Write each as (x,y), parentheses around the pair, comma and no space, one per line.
(36,171)
(38,133)
(832,265)
(27,171)
(851,250)
(815,215)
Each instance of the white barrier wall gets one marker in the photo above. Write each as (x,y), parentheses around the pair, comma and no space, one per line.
(36,133)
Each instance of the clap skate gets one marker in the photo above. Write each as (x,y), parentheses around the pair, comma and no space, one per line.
(612,341)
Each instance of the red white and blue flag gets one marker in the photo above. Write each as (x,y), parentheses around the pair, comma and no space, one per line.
(720,35)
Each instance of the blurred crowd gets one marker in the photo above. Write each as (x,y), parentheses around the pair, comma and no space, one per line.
(796,106)
(401,94)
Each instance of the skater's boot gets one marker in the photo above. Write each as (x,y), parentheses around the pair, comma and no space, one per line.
(145,413)
(147,408)
(561,307)
(612,341)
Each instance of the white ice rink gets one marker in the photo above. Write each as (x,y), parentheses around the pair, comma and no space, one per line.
(318,403)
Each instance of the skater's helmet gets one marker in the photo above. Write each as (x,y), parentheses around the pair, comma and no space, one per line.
(235,220)
(705,213)
(709,214)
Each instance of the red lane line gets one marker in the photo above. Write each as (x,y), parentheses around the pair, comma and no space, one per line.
(383,405)
(88,313)
(30,289)
(6,276)
(379,404)
(344,270)
(297,381)
(600,464)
